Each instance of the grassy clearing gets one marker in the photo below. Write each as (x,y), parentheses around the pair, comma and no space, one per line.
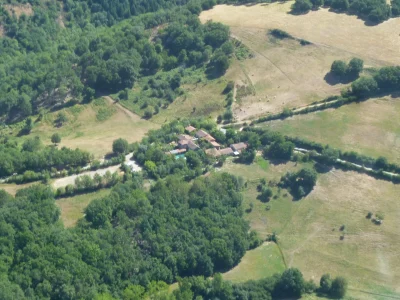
(93,127)
(309,229)
(258,263)
(72,207)
(283,72)
(13,188)
(369,127)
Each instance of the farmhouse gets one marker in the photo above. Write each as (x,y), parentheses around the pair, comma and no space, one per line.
(215,145)
(226,151)
(238,147)
(186,142)
(201,134)
(213,152)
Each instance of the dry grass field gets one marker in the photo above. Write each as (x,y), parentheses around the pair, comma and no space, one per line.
(371,128)
(323,28)
(287,74)
(84,130)
(309,229)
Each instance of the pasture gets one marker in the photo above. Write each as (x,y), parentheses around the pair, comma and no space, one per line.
(285,73)
(370,128)
(309,230)
(93,127)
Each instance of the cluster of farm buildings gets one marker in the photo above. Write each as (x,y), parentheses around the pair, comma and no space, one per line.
(188,142)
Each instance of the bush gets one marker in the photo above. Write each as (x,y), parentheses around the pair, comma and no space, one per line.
(229,87)
(280,34)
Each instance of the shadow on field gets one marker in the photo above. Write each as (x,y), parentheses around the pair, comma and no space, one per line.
(332,79)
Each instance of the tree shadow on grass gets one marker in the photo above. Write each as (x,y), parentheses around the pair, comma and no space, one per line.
(322,169)
(332,79)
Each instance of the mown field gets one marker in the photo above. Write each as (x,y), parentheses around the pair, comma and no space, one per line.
(309,230)
(284,73)
(371,128)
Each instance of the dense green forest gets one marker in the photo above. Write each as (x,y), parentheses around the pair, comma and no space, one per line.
(129,237)
(45,66)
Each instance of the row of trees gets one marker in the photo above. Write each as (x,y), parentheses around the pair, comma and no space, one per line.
(386,80)
(288,285)
(374,11)
(34,156)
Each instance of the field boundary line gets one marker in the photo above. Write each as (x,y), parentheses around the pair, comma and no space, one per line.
(376,294)
(321,45)
(263,55)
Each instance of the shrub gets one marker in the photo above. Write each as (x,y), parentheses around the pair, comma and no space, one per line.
(229,87)
(280,34)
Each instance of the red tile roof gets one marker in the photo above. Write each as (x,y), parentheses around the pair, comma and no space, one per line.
(190,128)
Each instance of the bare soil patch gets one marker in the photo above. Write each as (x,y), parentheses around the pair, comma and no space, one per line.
(19,9)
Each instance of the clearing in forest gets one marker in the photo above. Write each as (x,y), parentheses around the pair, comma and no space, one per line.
(72,207)
(285,73)
(371,128)
(94,127)
(309,230)
(19,9)
(264,261)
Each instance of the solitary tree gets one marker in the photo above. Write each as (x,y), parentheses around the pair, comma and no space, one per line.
(120,146)
(55,138)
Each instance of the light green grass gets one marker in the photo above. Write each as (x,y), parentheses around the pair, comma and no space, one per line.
(258,263)
(72,207)
(369,128)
